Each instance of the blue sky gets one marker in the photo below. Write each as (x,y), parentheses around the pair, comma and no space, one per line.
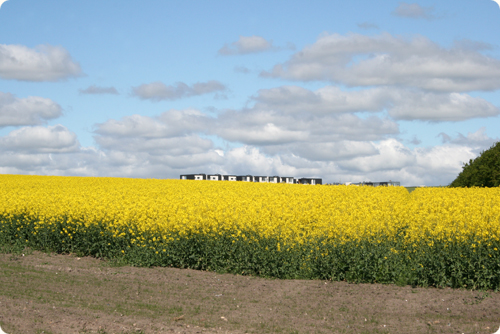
(347,91)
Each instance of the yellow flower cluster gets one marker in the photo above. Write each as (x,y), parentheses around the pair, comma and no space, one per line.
(291,214)
(366,234)
(450,214)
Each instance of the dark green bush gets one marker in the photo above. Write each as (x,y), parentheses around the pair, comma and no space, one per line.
(484,171)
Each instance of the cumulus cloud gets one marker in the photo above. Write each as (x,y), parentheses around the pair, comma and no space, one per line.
(171,138)
(82,162)
(392,155)
(438,165)
(158,91)
(415,105)
(333,151)
(434,166)
(32,110)
(386,60)
(42,63)
(264,134)
(414,11)
(55,151)
(99,90)
(168,124)
(38,139)
(265,139)
(446,159)
(176,146)
(274,130)
(246,45)
(401,104)
(329,99)
(172,133)
(182,133)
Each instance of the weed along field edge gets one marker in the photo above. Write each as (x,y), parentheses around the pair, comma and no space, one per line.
(52,293)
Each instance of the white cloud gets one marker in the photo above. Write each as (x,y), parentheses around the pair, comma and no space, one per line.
(169,157)
(158,91)
(337,147)
(173,138)
(265,134)
(38,139)
(385,60)
(99,90)
(414,11)
(438,165)
(333,151)
(271,127)
(401,104)
(392,155)
(171,123)
(176,146)
(82,162)
(329,99)
(43,63)
(32,110)
(432,166)
(169,139)
(415,105)
(245,45)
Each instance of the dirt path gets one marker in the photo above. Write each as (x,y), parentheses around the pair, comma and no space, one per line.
(41,293)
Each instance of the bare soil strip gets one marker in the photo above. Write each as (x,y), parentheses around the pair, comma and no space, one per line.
(49,293)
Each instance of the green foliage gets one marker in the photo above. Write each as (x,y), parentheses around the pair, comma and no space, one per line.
(473,263)
(484,171)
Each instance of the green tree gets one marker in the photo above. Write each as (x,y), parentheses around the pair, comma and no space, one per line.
(484,171)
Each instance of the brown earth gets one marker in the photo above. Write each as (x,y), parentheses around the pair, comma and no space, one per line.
(49,293)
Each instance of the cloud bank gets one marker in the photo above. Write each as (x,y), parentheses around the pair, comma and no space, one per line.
(401,104)
(387,60)
(54,151)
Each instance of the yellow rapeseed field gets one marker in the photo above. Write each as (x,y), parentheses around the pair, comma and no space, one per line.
(304,230)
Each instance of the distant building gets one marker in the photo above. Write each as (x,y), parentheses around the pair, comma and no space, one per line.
(274,179)
(244,178)
(194,177)
(307,180)
(251,178)
(263,179)
(214,177)
(377,184)
(287,179)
